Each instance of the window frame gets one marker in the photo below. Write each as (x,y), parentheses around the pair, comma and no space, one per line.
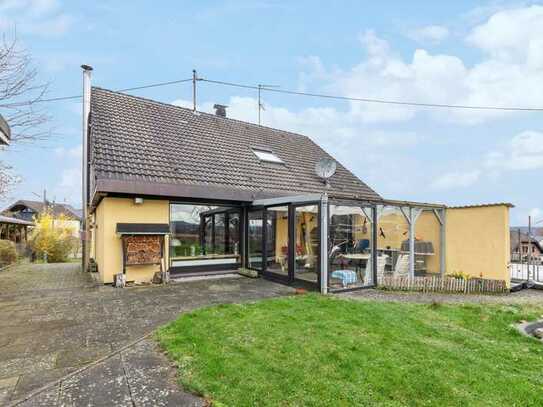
(267,156)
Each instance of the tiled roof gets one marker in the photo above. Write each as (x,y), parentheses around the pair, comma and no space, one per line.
(146,142)
(37,206)
(508,204)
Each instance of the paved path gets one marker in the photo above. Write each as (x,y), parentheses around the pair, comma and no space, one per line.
(137,376)
(54,319)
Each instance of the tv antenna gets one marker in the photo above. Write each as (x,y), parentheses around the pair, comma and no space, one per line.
(325,168)
(260,104)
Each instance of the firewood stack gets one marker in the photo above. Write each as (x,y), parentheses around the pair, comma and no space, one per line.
(143,249)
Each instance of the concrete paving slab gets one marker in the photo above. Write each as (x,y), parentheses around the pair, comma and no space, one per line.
(54,317)
(30,382)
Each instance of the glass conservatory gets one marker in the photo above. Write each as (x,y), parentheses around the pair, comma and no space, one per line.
(326,243)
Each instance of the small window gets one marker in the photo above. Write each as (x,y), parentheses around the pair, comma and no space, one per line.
(268,156)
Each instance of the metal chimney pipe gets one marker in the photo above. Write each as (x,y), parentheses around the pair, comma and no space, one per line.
(87,71)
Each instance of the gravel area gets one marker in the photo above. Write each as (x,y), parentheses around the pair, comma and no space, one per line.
(529,296)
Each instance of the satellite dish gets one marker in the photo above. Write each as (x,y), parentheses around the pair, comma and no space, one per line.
(5,131)
(325,168)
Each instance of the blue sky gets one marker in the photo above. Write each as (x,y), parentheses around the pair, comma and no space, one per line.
(461,52)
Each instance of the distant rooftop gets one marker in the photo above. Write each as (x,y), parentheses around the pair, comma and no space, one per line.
(39,206)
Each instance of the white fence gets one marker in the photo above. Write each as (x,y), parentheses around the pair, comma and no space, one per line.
(442,284)
(520,272)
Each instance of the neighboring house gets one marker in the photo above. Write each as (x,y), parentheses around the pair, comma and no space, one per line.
(523,246)
(27,210)
(194,193)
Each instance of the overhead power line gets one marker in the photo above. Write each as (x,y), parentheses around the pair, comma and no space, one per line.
(296,93)
(154,85)
(370,100)
(56,99)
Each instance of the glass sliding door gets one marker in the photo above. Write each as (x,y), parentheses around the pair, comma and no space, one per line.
(307,238)
(277,241)
(255,239)
(350,237)
(284,241)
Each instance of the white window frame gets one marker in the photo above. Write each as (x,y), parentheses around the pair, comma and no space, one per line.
(267,156)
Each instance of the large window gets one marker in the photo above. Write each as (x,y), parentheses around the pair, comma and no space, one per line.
(428,243)
(204,237)
(350,248)
(393,241)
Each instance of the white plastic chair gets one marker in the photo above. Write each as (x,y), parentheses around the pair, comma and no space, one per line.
(401,269)
(381,262)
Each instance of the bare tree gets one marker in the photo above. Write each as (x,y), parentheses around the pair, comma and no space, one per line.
(21,94)
(8,179)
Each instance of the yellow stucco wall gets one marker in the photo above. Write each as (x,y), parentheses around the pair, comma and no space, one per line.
(107,245)
(395,228)
(477,241)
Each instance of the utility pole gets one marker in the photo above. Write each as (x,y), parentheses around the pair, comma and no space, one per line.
(529,245)
(519,248)
(194,79)
(260,104)
(43,198)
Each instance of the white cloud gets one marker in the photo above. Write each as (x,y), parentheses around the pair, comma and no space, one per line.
(511,45)
(454,180)
(348,130)
(523,152)
(35,17)
(514,35)
(431,33)
(36,7)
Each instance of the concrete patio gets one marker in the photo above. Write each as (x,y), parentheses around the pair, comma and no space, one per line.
(55,319)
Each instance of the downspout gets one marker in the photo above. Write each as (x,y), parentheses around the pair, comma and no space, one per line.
(324,244)
(87,70)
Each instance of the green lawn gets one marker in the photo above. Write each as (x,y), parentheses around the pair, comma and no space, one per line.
(316,350)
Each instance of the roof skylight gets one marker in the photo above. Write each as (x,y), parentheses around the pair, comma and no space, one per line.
(268,156)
